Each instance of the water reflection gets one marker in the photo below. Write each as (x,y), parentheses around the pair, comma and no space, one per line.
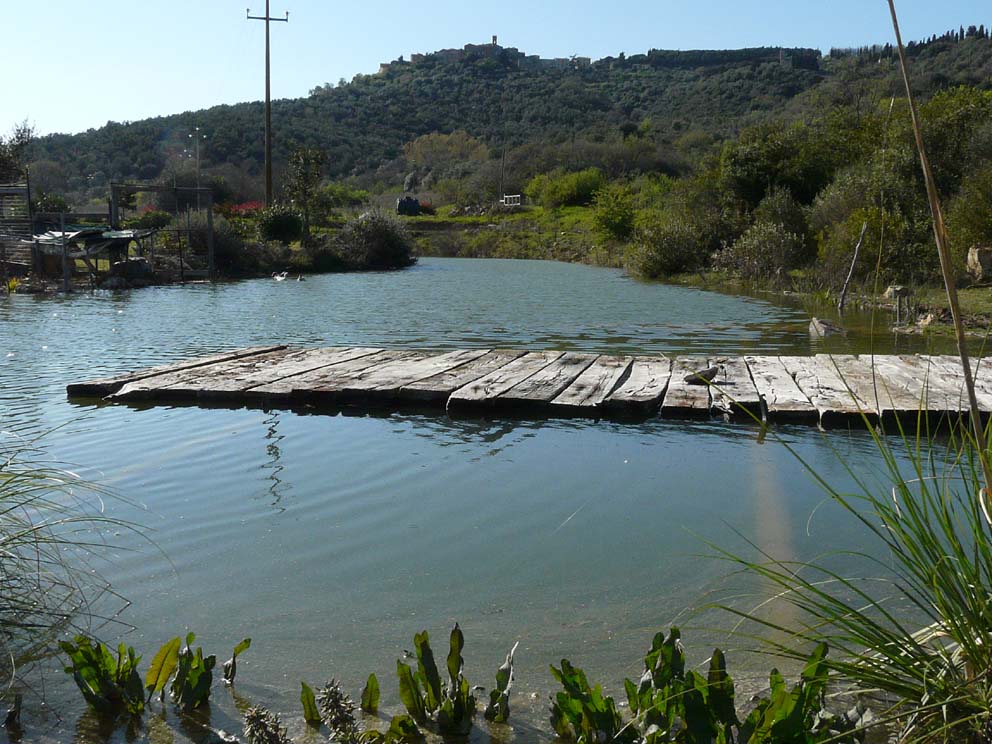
(273,466)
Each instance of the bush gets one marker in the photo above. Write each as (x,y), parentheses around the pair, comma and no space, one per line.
(281,224)
(152,219)
(779,208)
(614,211)
(565,189)
(765,250)
(375,240)
(230,254)
(665,246)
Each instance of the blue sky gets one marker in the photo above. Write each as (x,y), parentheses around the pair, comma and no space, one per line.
(87,63)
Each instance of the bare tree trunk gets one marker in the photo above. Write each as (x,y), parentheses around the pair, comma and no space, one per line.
(854,261)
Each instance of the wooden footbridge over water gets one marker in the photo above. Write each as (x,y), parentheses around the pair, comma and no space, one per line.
(826,389)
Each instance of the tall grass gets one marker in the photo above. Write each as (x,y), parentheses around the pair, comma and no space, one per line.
(52,527)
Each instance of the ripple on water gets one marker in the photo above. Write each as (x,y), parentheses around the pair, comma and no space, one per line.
(332,539)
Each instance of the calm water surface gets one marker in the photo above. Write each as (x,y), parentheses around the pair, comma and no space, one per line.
(331,539)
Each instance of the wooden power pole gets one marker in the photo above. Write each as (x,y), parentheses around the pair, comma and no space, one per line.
(268,99)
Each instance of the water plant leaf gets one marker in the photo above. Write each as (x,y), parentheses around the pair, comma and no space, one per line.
(455,661)
(410,694)
(370,696)
(231,665)
(721,690)
(403,729)
(310,713)
(427,673)
(498,709)
(163,665)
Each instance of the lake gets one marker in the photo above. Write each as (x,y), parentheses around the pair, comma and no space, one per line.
(332,539)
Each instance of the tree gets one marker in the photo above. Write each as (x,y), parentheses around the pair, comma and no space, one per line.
(302,181)
(13,150)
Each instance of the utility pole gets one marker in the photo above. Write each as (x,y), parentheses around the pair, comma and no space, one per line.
(268,99)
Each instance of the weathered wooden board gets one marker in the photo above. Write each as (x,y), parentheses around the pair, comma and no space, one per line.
(186,383)
(546,384)
(440,386)
(781,396)
(684,398)
(298,385)
(108,385)
(385,382)
(834,400)
(644,388)
(486,389)
(948,371)
(594,385)
(334,383)
(733,391)
(236,380)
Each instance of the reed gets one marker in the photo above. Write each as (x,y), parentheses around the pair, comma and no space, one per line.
(52,524)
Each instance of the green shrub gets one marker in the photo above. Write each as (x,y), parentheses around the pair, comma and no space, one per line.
(778,207)
(664,246)
(281,224)
(565,189)
(767,249)
(230,253)
(614,211)
(375,240)
(153,219)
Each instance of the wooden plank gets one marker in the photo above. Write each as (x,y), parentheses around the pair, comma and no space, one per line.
(685,398)
(185,383)
(834,401)
(949,371)
(781,396)
(234,380)
(331,383)
(590,389)
(545,385)
(298,385)
(386,381)
(440,386)
(733,391)
(894,392)
(486,389)
(644,387)
(108,385)
(913,390)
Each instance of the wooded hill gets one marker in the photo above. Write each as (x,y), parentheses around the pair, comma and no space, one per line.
(677,101)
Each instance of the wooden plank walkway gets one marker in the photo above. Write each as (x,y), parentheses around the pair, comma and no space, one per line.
(829,390)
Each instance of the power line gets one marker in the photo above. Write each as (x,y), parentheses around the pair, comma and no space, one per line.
(268,98)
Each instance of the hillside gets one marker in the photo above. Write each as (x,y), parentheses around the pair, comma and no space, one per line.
(499,97)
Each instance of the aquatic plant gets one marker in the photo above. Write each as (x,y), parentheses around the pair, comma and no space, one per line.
(370,696)
(672,704)
(264,727)
(110,685)
(498,709)
(451,705)
(194,676)
(231,665)
(337,711)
